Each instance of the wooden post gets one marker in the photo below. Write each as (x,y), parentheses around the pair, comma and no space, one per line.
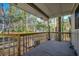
(18,39)
(59,28)
(48,31)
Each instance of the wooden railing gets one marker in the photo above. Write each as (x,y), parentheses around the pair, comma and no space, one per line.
(20,43)
(65,36)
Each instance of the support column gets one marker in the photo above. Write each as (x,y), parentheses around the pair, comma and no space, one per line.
(59,28)
(48,31)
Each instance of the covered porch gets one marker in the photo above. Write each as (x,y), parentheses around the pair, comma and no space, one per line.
(41,43)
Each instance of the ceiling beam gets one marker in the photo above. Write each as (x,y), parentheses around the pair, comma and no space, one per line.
(74,7)
(38,9)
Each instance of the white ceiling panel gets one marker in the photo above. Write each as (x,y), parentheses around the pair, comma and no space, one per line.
(56,9)
(50,9)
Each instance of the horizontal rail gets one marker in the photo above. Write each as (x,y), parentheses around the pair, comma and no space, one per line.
(23,33)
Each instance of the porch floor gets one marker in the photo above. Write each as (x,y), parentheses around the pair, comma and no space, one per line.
(52,48)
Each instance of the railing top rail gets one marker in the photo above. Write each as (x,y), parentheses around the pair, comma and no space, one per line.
(62,32)
(24,33)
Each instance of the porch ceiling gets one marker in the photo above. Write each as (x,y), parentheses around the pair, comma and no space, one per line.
(54,9)
(48,10)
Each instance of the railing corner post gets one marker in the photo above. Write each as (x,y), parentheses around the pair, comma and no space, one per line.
(18,39)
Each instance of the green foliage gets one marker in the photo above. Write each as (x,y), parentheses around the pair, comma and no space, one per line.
(26,22)
(41,26)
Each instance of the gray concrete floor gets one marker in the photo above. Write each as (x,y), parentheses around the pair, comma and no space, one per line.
(52,48)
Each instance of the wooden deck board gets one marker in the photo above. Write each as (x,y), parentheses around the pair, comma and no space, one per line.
(52,48)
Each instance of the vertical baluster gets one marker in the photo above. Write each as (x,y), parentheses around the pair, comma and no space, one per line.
(11,46)
(14,40)
(33,40)
(65,36)
(42,38)
(56,37)
(9,41)
(69,36)
(17,47)
(3,46)
(26,43)
(62,36)
(38,39)
(30,41)
(53,34)
(23,44)
(46,36)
